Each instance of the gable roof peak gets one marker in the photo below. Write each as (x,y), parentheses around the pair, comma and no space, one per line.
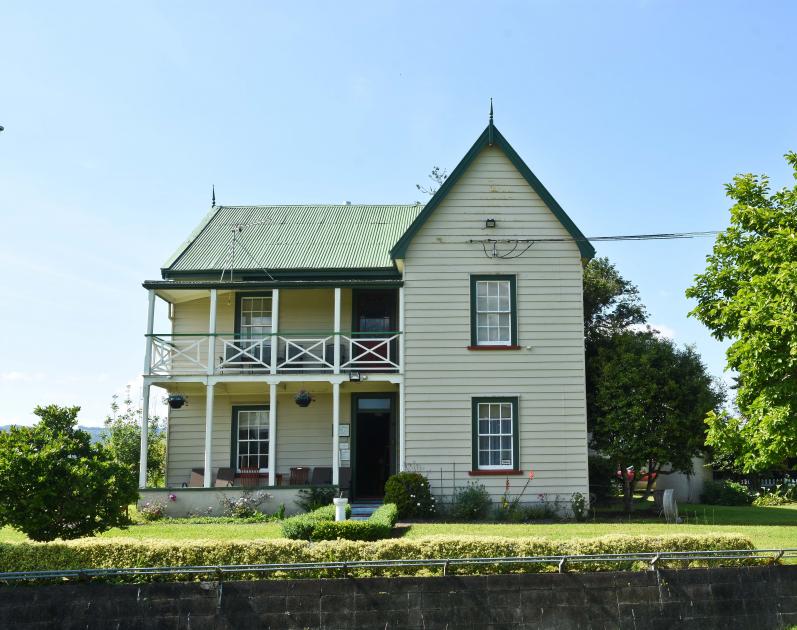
(492,137)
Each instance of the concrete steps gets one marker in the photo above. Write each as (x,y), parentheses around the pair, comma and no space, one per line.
(362,510)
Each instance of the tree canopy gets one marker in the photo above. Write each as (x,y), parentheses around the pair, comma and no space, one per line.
(651,400)
(122,436)
(54,483)
(611,306)
(748,294)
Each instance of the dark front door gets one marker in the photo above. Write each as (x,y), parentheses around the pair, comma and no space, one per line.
(374,443)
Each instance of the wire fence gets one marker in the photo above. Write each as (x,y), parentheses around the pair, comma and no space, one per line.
(446,481)
(430,566)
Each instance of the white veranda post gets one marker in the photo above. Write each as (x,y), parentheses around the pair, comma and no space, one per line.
(275,313)
(337,331)
(335,434)
(142,459)
(208,434)
(402,456)
(212,332)
(272,434)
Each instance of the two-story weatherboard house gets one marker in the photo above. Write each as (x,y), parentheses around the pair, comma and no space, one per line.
(339,344)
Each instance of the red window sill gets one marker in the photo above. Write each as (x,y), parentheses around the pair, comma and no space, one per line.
(493,347)
(487,473)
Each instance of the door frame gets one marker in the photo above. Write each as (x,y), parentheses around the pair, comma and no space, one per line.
(393,433)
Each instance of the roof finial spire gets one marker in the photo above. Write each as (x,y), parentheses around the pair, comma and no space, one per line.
(213,199)
(490,125)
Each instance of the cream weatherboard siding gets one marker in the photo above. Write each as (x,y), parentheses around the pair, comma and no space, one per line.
(304,435)
(547,373)
(302,311)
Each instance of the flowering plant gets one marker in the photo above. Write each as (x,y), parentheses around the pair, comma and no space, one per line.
(152,510)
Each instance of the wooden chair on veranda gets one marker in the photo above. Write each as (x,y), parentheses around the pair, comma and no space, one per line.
(300,475)
(249,476)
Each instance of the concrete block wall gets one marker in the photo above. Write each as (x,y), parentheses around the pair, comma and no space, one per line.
(722,599)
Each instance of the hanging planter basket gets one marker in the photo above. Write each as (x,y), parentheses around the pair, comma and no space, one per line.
(176,401)
(303,398)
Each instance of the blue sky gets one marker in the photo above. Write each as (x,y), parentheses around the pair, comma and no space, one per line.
(120,117)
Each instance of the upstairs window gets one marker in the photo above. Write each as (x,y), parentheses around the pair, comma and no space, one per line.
(493,311)
(254,316)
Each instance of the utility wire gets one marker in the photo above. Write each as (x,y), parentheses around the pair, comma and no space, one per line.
(621,237)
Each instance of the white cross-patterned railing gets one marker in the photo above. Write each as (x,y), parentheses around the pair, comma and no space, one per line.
(306,353)
(244,355)
(179,354)
(370,353)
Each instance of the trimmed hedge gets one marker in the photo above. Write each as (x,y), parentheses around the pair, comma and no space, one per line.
(320,524)
(379,525)
(125,552)
(301,527)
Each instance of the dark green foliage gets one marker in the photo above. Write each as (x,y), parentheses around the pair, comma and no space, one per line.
(471,503)
(725,493)
(651,402)
(54,483)
(312,498)
(748,294)
(602,478)
(378,526)
(411,494)
(611,305)
(321,525)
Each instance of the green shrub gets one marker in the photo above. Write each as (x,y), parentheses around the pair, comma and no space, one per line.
(301,527)
(321,525)
(578,503)
(725,493)
(54,483)
(471,503)
(411,494)
(152,511)
(379,525)
(126,552)
(245,506)
(781,494)
(310,499)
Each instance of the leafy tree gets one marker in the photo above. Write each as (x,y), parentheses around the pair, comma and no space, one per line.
(438,176)
(54,483)
(748,294)
(651,401)
(611,306)
(122,435)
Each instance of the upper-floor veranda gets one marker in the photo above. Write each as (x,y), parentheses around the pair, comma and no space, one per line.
(275,328)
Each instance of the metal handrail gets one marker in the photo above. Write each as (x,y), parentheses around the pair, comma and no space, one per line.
(561,561)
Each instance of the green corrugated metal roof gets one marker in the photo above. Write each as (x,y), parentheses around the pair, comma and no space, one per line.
(329,237)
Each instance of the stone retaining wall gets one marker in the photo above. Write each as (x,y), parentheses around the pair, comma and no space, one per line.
(749,598)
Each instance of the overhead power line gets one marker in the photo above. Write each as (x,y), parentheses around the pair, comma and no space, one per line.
(664,236)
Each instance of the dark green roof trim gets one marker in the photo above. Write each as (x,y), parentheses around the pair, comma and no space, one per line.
(492,137)
(386,273)
(254,285)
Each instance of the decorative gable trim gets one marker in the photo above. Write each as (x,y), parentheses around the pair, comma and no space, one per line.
(492,137)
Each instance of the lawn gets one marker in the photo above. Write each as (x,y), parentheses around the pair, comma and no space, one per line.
(767,527)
